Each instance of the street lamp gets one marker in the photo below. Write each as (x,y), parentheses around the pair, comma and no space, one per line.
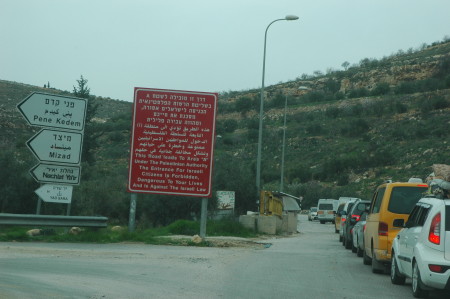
(261,106)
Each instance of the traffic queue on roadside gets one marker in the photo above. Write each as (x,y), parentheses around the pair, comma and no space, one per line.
(403,230)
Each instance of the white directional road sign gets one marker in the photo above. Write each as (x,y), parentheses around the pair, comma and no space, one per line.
(57,146)
(61,174)
(47,110)
(55,193)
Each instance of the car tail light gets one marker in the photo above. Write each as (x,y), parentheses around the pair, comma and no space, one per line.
(351,231)
(435,230)
(382,229)
(357,217)
(438,268)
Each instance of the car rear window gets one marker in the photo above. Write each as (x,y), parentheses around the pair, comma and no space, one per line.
(361,207)
(404,198)
(325,206)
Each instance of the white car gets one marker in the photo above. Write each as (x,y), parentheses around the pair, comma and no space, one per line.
(312,215)
(421,250)
(326,209)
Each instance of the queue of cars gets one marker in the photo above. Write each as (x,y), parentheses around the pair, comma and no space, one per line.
(402,230)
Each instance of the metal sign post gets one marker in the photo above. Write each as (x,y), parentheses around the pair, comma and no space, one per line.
(132,220)
(203,217)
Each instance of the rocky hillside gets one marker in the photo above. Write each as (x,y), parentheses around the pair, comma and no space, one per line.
(346,132)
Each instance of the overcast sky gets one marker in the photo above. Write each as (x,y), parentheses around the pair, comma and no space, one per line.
(202,45)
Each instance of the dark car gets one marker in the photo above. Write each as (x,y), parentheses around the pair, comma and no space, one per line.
(345,217)
(353,217)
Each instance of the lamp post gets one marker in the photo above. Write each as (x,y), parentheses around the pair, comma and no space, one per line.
(261,106)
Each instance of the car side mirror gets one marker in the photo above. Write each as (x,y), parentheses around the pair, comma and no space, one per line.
(398,223)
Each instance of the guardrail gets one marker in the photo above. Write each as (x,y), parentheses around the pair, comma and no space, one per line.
(51,220)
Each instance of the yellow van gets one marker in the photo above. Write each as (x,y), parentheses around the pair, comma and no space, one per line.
(390,201)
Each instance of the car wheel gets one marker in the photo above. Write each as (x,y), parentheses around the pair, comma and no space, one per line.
(359,252)
(340,238)
(396,277)
(416,284)
(322,222)
(366,259)
(336,231)
(348,244)
(353,248)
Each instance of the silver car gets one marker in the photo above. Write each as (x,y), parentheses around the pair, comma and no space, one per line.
(358,235)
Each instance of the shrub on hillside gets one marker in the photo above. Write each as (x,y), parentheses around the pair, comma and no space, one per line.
(433,103)
(358,93)
(332,112)
(381,88)
(355,128)
(244,104)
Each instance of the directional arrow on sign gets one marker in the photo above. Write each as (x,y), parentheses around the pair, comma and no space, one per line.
(55,193)
(61,174)
(57,146)
(47,110)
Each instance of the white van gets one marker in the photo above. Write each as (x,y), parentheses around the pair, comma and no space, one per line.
(326,209)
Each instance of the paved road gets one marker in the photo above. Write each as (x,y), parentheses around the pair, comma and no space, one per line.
(311,264)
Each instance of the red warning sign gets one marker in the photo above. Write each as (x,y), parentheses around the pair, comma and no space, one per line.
(172,142)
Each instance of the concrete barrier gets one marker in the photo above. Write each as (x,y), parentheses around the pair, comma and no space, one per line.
(269,224)
(248,221)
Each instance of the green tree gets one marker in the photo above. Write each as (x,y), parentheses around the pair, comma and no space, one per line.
(91,132)
(345,65)
(82,90)
(16,186)
(237,177)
